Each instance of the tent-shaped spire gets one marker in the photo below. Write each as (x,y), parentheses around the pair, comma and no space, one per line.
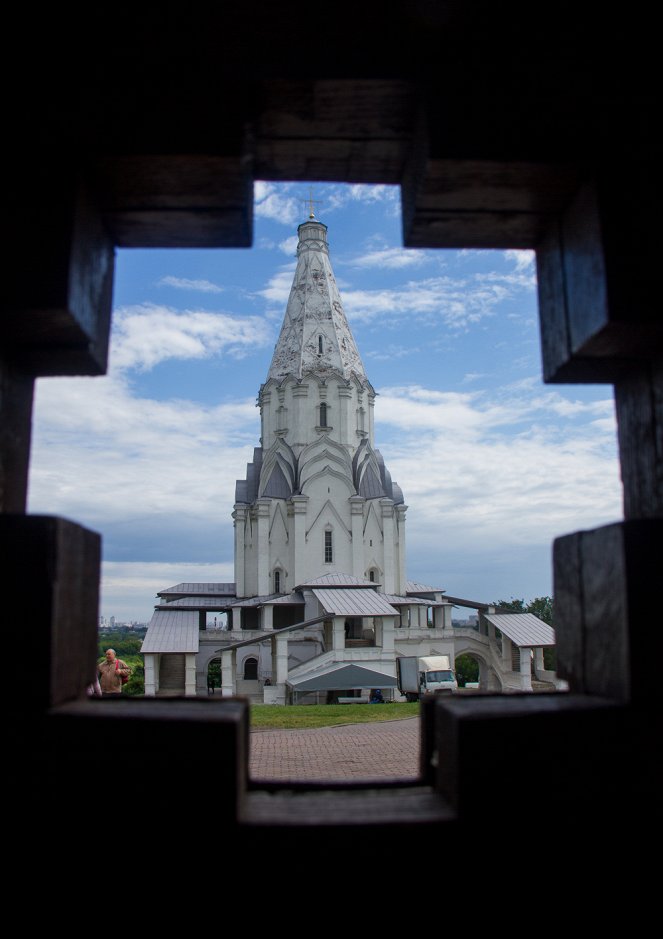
(315,335)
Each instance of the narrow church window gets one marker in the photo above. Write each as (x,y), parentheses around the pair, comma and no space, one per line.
(319,345)
(328,547)
(323,414)
(277,581)
(371,576)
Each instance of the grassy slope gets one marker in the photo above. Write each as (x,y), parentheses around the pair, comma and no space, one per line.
(276,717)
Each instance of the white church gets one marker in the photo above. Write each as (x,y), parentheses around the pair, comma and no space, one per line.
(321,605)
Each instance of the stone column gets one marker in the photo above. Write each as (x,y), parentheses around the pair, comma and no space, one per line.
(357,519)
(388,624)
(237,617)
(300,508)
(339,633)
(150,675)
(266,422)
(344,403)
(239,516)
(262,512)
(227,673)
(525,669)
(190,675)
(442,616)
(302,423)
(539,665)
(400,573)
(268,617)
(281,659)
(371,418)
(388,543)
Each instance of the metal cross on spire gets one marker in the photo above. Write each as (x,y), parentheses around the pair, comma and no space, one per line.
(310,202)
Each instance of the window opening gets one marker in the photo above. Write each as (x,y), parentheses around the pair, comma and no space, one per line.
(157,383)
(277,581)
(250,669)
(323,415)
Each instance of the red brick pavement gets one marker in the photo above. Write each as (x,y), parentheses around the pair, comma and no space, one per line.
(357,751)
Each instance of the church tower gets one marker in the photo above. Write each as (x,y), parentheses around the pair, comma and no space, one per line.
(317,498)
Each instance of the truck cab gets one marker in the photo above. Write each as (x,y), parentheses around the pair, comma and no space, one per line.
(438,681)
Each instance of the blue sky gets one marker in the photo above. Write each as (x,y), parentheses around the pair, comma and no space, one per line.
(493,464)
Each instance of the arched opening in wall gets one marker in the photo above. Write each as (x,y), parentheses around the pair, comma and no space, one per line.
(213,676)
(467,671)
(250,669)
(492,463)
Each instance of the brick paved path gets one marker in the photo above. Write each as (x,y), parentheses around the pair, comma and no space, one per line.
(357,751)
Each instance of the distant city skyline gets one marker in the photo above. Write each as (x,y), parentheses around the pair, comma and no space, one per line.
(148,455)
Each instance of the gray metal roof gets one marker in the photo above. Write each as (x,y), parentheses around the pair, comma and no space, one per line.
(338,580)
(344,678)
(523,629)
(290,599)
(256,601)
(199,603)
(410,601)
(353,602)
(413,587)
(171,631)
(199,590)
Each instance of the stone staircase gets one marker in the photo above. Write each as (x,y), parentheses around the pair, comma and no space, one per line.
(251,689)
(171,676)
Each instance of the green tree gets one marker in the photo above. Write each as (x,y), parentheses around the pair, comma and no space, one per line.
(467,669)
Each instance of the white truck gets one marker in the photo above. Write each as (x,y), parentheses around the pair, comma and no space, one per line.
(426,674)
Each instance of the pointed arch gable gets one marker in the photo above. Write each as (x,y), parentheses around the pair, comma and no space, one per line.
(373,516)
(370,486)
(374,565)
(280,456)
(335,450)
(278,516)
(328,471)
(277,485)
(324,514)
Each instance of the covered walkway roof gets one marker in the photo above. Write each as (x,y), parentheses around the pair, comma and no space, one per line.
(343,678)
(353,602)
(523,629)
(171,631)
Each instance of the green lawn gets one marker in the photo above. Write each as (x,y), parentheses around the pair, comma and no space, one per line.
(294,717)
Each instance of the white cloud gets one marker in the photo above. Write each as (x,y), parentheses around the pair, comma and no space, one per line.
(339,197)
(278,287)
(148,334)
(524,260)
(289,246)
(498,470)
(393,258)
(275,203)
(101,454)
(183,283)
(455,302)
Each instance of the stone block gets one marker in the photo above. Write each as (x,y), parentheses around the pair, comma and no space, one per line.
(531,757)
(50,580)
(606,594)
(598,299)
(55,317)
